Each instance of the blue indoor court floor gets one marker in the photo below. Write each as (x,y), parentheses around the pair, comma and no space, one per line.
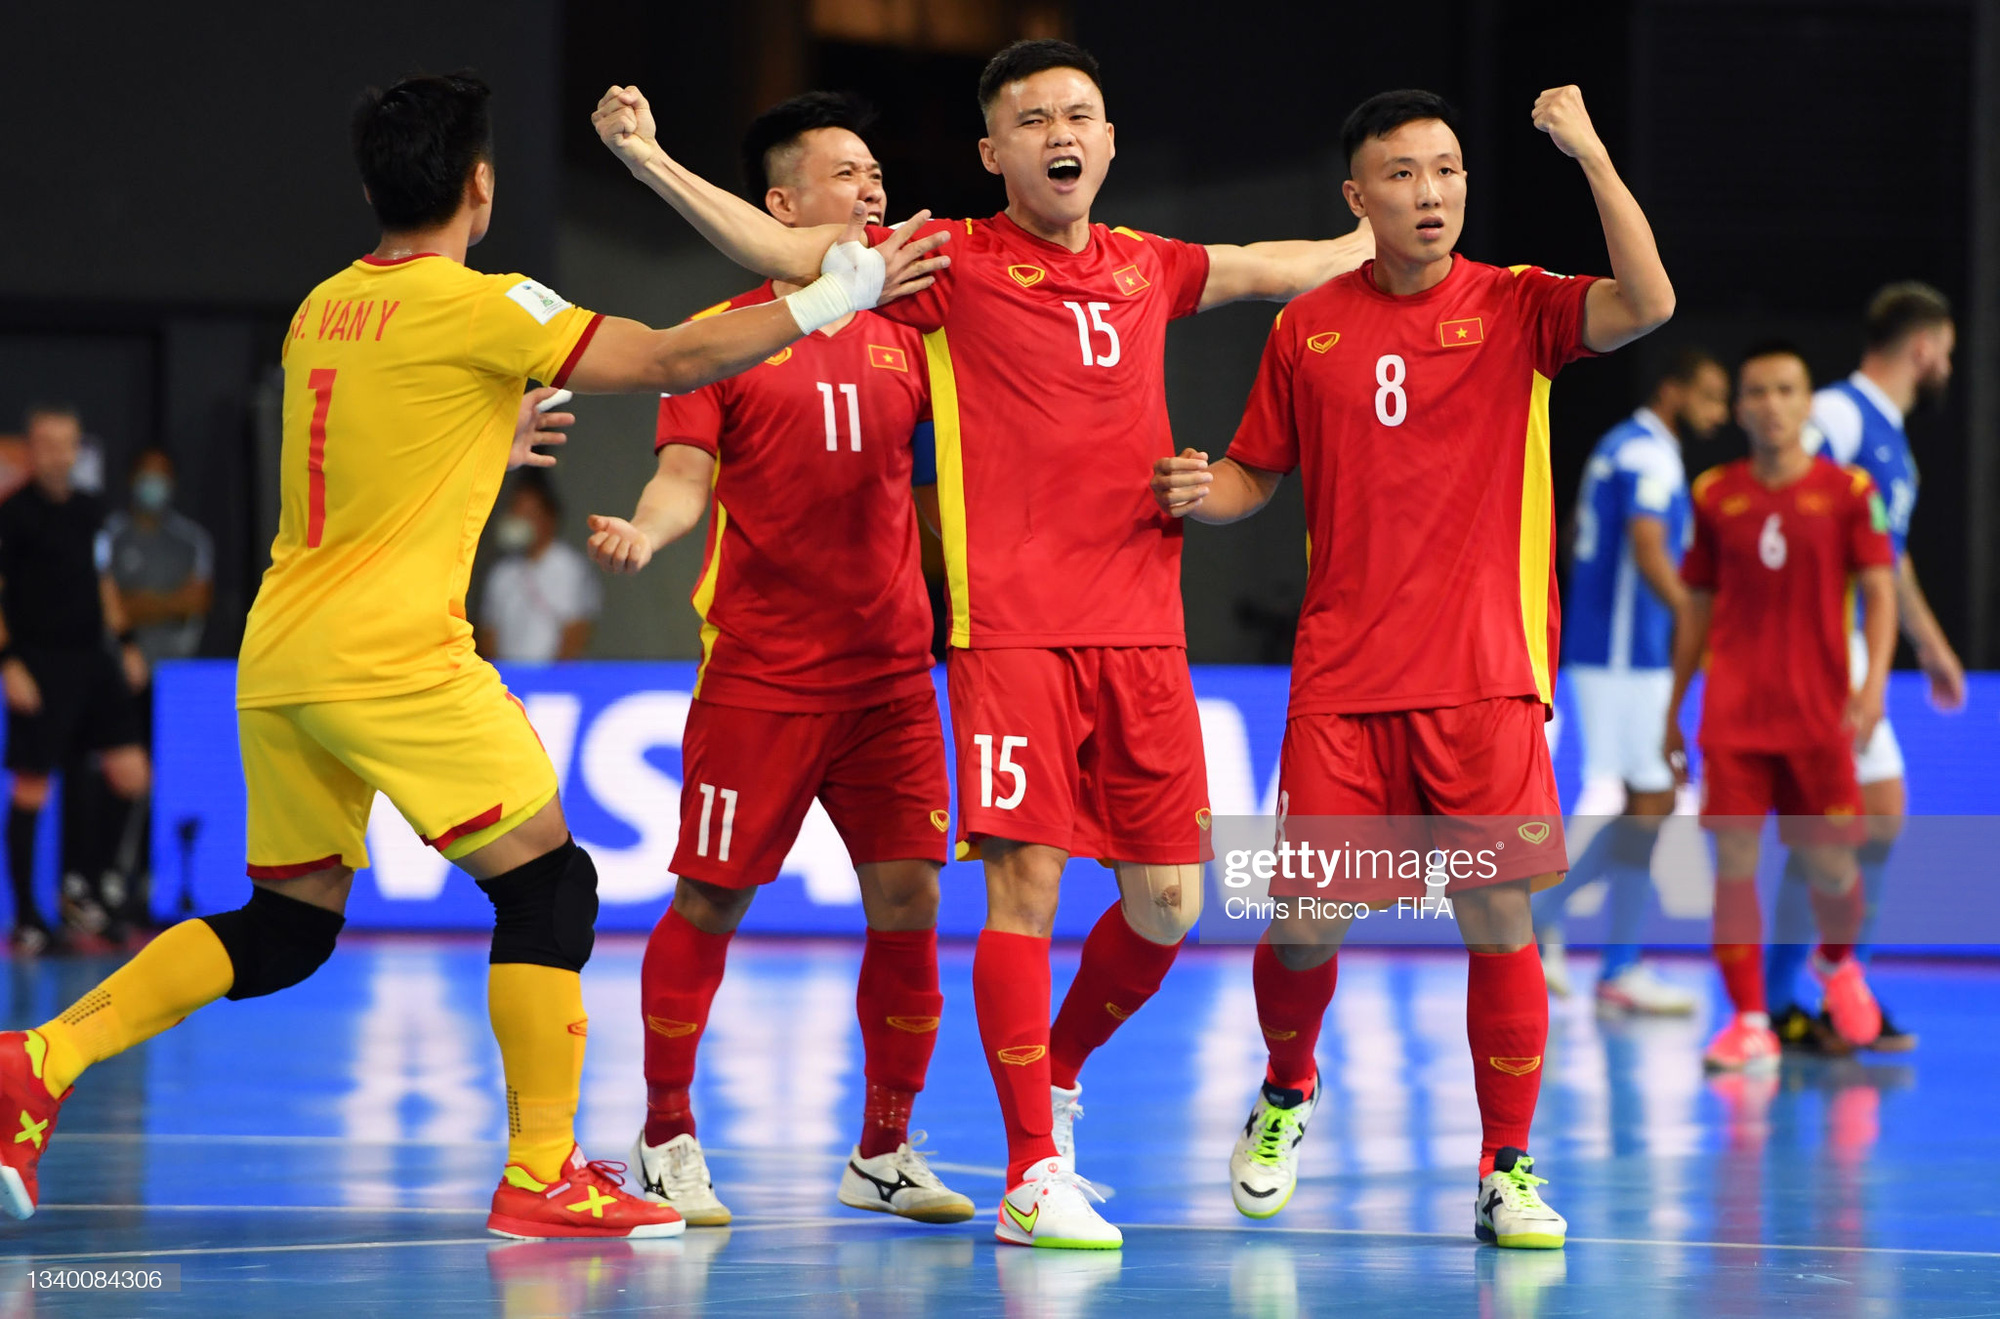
(331,1150)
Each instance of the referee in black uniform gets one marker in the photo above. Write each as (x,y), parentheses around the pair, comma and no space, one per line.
(68,693)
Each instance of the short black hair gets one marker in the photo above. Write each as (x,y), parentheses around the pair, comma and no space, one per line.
(1385,112)
(1896,310)
(786,122)
(152,451)
(1025,59)
(1684,364)
(417,143)
(535,481)
(49,408)
(1773,348)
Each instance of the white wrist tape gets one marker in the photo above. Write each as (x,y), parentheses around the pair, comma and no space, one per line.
(851,276)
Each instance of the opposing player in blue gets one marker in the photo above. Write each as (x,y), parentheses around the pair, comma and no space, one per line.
(1905,364)
(1633,522)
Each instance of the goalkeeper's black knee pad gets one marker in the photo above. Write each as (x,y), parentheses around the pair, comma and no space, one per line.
(545,912)
(274,941)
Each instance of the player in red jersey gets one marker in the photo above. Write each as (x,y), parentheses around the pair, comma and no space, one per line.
(1072,708)
(814,681)
(1412,395)
(1778,538)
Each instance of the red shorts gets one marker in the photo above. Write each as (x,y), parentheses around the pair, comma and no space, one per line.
(1095,750)
(750,776)
(1813,790)
(1473,779)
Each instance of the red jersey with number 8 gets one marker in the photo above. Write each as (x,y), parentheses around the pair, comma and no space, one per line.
(1420,426)
(1048,379)
(1780,563)
(811,594)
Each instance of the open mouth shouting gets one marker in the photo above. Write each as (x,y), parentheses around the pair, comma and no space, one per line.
(1066,169)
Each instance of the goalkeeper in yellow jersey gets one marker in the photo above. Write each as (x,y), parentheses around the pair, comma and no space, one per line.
(403,410)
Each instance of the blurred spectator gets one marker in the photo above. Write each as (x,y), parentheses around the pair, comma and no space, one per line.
(164,566)
(67,692)
(540,599)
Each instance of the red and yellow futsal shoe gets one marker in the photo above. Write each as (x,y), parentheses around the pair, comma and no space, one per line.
(588,1200)
(1848,1001)
(27,1119)
(1747,1044)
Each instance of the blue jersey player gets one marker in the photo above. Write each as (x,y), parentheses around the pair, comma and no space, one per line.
(1633,521)
(1859,420)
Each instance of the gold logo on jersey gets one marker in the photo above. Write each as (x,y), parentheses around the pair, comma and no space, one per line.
(1733,504)
(1319,343)
(1534,832)
(1027,276)
(1813,502)
(1129,280)
(1202,818)
(889,359)
(779,358)
(941,820)
(1461,333)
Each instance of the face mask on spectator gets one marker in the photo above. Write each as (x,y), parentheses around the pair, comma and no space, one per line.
(152,492)
(513,534)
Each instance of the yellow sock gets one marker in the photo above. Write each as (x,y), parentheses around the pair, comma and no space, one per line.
(183,969)
(539,1020)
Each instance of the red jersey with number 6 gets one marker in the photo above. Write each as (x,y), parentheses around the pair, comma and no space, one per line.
(1781,563)
(1420,426)
(811,594)
(1048,379)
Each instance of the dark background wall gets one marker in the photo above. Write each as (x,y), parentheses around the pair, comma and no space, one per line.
(183,180)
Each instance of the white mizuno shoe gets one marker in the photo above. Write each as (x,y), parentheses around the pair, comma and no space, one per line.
(1638,991)
(676,1174)
(1508,1211)
(1264,1166)
(1064,1110)
(901,1183)
(1051,1208)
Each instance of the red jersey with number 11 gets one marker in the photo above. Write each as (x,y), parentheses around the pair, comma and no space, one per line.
(1420,426)
(1048,383)
(1780,563)
(812,595)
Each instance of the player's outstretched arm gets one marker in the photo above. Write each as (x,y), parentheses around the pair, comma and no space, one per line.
(1877,588)
(669,507)
(1638,298)
(1935,656)
(749,237)
(1189,486)
(1691,624)
(1280,271)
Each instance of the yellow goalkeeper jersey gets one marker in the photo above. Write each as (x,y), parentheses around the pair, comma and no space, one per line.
(403,380)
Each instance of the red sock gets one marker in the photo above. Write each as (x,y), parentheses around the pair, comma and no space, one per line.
(1739,942)
(1010,991)
(1290,1006)
(677,982)
(1507,1023)
(1119,972)
(898,1004)
(1839,916)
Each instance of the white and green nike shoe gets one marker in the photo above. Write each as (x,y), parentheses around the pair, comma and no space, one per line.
(1051,1208)
(1508,1211)
(1264,1167)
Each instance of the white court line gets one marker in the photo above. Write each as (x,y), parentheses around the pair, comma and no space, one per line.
(1574,1241)
(789,1224)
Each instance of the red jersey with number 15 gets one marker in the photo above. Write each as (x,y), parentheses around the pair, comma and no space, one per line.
(1780,563)
(1048,384)
(812,593)
(1420,426)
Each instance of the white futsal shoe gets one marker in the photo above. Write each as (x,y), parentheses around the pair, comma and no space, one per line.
(1638,991)
(1555,967)
(676,1174)
(1508,1211)
(1051,1208)
(1064,1110)
(1264,1166)
(901,1183)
